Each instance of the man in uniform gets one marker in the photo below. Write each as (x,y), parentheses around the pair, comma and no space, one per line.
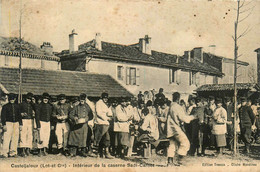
(60,115)
(28,115)
(230,121)
(43,116)
(175,132)
(12,122)
(79,117)
(247,118)
(103,116)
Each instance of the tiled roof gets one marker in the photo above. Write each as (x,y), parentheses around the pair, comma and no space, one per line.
(11,47)
(226,87)
(131,53)
(57,82)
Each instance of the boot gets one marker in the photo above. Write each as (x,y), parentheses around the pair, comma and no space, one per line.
(179,160)
(73,151)
(83,152)
(91,153)
(170,161)
(27,151)
(247,149)
(66,152)
(23,152)
(60,151)
(40,153)
(107,154)
(44,152)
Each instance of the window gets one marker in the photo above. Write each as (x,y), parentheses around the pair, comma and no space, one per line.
(192,78)
(120,72)
(215,80)
(132,76)
(174,76)
(6,61)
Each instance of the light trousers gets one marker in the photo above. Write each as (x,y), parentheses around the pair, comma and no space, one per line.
(11,137)
(179,143)
(62,133)
(26,137)
(44,134)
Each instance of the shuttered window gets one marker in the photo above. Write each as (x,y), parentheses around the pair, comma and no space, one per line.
(132,76)
(174,76)
(120,73)
(6,61)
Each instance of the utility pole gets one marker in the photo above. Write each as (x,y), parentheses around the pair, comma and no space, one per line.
(20,62)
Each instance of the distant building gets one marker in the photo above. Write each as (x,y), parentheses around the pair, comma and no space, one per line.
(139,68)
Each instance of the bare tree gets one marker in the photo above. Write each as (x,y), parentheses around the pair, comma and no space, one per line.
(243,11)
(252,74)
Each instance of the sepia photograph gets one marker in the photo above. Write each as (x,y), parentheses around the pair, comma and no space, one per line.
(129,85)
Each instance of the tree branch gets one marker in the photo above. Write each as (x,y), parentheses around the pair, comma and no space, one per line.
(245,17)
(245,32)
(241,12)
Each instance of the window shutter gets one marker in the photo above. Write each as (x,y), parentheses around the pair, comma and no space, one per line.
(137,76)
(178,76)
(170,76)
(127,75)
(190,77)
(6,61)
(197,78)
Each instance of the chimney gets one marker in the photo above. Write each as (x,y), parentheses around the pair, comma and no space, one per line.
(145,45)
(212,49)
(98,43)
(72,46)
(187,55)
(258,65)
(47,47)
(198,54)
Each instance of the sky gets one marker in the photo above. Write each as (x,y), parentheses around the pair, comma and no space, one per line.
(174,25)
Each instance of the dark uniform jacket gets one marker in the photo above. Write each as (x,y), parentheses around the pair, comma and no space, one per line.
(43,113)
(11,113)
(27,110)
(246,116)
(229,110)
(61,110)
(81,111)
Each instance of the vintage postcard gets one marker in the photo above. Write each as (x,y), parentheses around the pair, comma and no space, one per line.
(129,85)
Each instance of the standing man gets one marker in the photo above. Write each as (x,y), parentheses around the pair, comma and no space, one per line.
(28,115)
(79,117)
(175,133)
(230,121)
(219,127)
(247,118)
(103,116)
(121,128)
(60,115)
(12,122)
(43,116)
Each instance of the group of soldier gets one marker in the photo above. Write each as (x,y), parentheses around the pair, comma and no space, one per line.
(117,126)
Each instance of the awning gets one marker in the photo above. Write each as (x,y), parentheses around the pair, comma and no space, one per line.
(71,83)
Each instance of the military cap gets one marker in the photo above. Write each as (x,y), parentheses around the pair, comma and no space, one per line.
(53,98)
(211,98)
(149,103)
(218,100)
(11,96)
(227,99)
(29,95)
(45,96)
(243,99)
(198,99)
(82,96)
(74,99)
(62,97)
(104,95)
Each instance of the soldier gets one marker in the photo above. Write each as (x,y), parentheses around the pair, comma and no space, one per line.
(197,129)
(43,116)
(121,128)
(12,122)
(103,115)
(28,114)
(79,117)
(60,115)
(247,118)
(175,133)
(230,121)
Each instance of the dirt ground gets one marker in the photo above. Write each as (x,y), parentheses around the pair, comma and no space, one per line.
(136,163)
